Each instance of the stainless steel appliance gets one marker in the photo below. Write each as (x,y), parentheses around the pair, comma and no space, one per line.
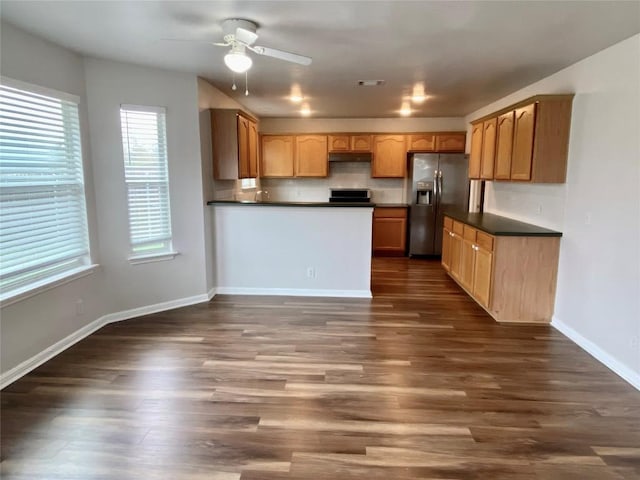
(438,182)
(350,195)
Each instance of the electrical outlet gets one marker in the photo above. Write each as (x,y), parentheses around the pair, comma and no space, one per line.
(539,208)
(311,272)
(587,218)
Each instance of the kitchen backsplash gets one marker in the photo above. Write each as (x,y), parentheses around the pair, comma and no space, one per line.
(341,175)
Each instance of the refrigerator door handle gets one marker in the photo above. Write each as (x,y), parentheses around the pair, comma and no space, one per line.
(440,186)
(436,191)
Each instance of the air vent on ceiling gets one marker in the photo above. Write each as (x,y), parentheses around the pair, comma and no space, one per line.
(370,83)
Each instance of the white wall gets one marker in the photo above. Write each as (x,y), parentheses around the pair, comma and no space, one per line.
(110,84)
(32,325)
(268,250)
(210,97)
(598,209)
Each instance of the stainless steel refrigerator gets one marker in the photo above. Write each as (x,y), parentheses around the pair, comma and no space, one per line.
(438,181)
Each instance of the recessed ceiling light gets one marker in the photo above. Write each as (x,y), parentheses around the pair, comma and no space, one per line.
(305,111)
(296,94)
(370,83)
(418,95)
(405,111)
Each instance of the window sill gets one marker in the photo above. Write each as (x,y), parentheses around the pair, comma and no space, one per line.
(23,293)
(153,257)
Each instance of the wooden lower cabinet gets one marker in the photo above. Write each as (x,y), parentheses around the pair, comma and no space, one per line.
(512,277)
(389,236)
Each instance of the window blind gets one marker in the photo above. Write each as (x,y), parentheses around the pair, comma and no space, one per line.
(144,142)
(43,222)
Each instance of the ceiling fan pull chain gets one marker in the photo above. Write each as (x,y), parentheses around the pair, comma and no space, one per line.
(233,87)
(246,84)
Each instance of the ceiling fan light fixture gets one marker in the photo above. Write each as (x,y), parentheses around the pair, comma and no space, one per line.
(238,61)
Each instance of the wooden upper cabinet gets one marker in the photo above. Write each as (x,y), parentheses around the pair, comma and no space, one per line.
(450,142)
(424,142)
(475,157)
(311,156)
(253,149)
(243,147)
(532,140)
(504,146)
(276,159)
(349,143)
(389,156)
(488,148)
(339,143)
(522,156)
(234,148)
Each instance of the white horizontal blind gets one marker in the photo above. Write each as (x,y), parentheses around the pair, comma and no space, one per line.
(144,142)
(43,221)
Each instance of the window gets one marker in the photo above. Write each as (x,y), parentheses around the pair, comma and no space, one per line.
(247,183)
(43,220)
(144,143)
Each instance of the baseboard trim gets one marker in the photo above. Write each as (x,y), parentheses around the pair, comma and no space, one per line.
(34,362)
(211,293)
(598,353)
(294,292)
(155,308)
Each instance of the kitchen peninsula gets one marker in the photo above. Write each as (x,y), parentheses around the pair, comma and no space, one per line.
(305,248)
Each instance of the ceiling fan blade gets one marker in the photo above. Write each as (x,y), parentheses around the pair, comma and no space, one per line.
(187,40)
(245,36)
(282,55)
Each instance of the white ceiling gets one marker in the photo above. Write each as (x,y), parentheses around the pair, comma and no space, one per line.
(466,53)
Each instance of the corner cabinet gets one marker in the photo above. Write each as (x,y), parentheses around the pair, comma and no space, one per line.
(526,142)
(234,138)
(513,277)
(389,156)
(389,235)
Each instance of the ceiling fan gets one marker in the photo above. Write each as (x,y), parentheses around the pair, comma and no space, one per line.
(241,35)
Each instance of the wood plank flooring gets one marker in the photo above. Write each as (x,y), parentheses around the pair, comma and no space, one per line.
(417,383)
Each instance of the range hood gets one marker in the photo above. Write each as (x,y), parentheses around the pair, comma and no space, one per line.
(350,157)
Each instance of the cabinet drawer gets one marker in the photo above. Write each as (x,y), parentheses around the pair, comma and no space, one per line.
(389,212)
(469,233)
(448,223)
(458,227)
(485,241)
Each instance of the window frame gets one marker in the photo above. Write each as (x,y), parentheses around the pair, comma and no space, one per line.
(42,276)
(167,252)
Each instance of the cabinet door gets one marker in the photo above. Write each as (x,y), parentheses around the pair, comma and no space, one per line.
(277,156)
(339,143)
(243,147)
(488,148)
(467,264)
(475,157)
(523,142)
(482,276)
(504,146)
(253,149)
(446,249)
(389,156)
(450,142)
(456,255)
(425,142)
(361,143)
(311,156)
(390,234)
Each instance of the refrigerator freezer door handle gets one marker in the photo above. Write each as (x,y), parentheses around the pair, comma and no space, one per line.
(440,186)
(436,192)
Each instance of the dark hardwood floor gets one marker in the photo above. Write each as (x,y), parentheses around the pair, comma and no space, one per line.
(417,383)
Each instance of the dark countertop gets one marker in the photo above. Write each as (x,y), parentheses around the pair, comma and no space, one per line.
(291,204)
(501,226)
